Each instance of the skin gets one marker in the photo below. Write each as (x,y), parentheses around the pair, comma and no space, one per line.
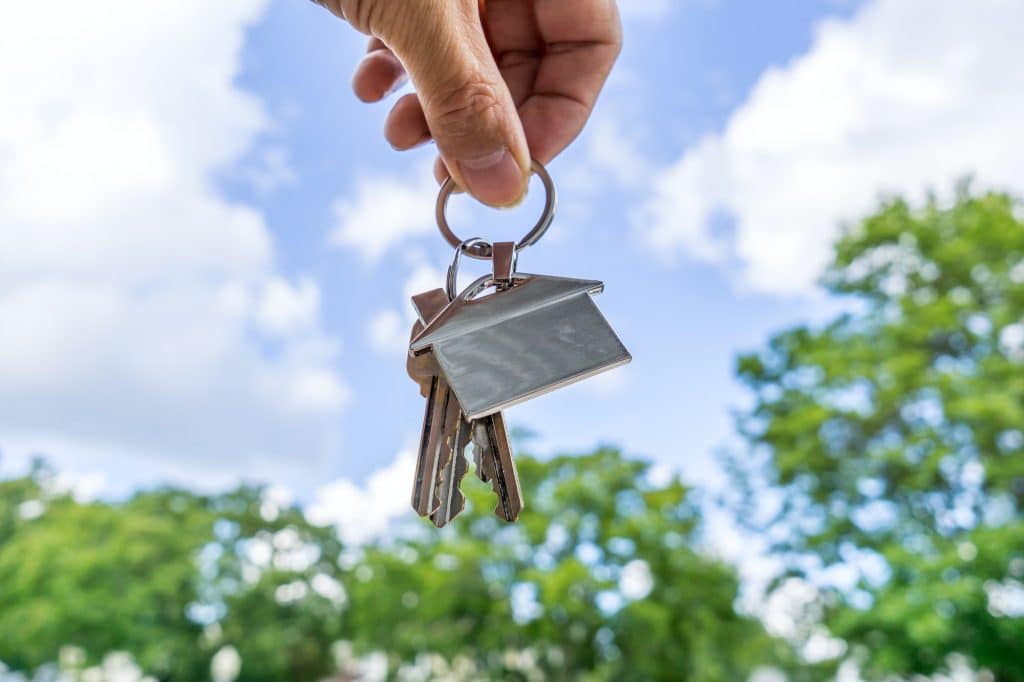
(497,81)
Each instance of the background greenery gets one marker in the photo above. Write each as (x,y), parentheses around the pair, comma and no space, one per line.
(891,439)
(884,446)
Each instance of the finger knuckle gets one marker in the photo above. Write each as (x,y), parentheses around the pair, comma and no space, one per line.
(363,15)
(459,111)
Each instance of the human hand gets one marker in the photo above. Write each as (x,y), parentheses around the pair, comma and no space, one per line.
(497,81)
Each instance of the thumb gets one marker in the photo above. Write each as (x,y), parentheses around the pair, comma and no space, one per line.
(468,107)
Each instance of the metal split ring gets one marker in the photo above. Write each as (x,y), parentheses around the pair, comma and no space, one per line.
(451,283)
(508,265)
(482,249)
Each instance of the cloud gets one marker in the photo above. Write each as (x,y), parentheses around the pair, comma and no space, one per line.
(424,277)
(608,152)
(385,211)
(387,333)
(269,170)
(871,108)
(388,329)
(285,309)
(144,328)
(363,512)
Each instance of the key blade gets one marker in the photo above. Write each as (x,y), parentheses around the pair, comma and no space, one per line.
(424,461)
(478,463)
(449,440)
(452,499)
(484,464)
(439,422)
(498,465)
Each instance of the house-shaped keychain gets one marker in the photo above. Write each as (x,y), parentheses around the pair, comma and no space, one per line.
(539,335)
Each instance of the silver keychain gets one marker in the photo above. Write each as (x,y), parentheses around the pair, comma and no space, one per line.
(474,356)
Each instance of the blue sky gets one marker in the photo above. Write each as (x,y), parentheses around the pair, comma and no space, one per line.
(682,71)
(207,247)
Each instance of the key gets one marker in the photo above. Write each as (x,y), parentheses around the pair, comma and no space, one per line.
(482,354)
(478,463)
(442,447)
(449,494)
(441,420)
(423,368)
(438,476)
(493,453)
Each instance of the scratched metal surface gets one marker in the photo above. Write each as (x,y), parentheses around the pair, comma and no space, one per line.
(495,366)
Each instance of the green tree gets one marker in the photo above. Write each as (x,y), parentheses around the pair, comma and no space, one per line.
(600,580)
(890,440)
(168,576)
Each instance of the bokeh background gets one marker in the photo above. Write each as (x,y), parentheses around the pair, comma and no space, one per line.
(805,215)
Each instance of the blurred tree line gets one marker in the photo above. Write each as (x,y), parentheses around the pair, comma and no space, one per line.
(886,458)
(599,582)
(883,468)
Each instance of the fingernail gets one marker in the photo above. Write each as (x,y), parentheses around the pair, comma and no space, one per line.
(494,178)
(415,145)
(401,80)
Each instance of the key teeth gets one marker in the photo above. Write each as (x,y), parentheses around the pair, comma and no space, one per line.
(457,503)
(442,467)
(514,499)
(447,492)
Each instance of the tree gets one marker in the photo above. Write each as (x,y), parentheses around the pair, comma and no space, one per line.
(167,576)
(890,440)
(600,580)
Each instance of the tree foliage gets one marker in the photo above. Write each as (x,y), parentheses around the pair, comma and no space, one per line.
(599,581)
(166,576)
(890,441)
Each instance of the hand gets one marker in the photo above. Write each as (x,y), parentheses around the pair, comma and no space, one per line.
(497,81)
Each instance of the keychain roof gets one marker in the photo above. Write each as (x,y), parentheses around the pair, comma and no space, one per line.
(541,334)
(534,334)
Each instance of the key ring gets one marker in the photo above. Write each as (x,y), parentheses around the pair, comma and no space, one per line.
(451,282)
(482,249)
(511,253)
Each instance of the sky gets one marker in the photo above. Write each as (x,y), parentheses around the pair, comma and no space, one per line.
(207,248)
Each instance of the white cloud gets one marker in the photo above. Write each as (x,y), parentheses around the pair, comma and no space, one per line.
(387,332)
(385,211)
(284,309)
(144,329)
(362,513)
(388,329)
(608,151)
(871,108)
(424,277)
(269,170)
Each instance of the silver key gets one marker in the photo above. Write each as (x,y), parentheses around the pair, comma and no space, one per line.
(435,489)
(423,368)
(493,453)
(492,450)
(451,497)
(441,420)
(448,497)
